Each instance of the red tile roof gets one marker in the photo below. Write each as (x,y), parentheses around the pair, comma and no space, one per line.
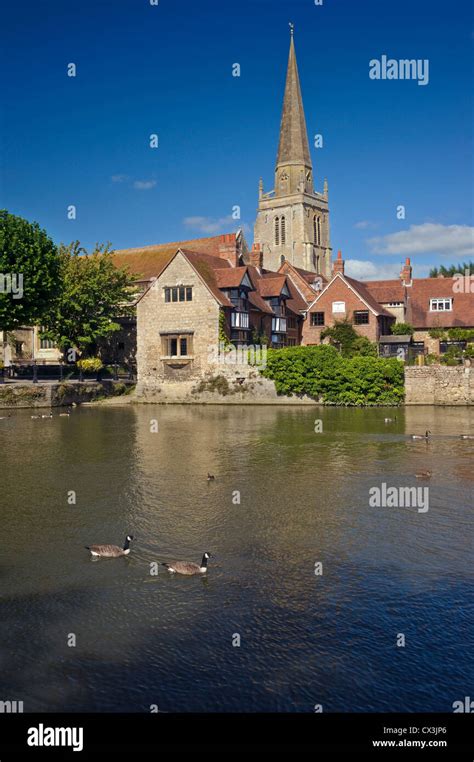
(364,292)
(271,284)
(385,291)
(424,289)
(146,262)
(230,277)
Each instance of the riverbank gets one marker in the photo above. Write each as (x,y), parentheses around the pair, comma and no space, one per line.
(49,394)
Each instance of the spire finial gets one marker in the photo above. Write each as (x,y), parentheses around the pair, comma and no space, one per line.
(292,28)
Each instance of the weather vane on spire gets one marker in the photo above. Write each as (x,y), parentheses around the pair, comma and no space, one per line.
(292,28)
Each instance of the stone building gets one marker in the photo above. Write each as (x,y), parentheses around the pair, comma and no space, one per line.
(293,219)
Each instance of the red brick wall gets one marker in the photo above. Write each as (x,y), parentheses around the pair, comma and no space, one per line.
(338,291)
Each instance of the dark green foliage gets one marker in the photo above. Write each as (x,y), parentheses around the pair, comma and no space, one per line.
(323,374)
(450,272)
(402,329)
(26,249)
(93,294)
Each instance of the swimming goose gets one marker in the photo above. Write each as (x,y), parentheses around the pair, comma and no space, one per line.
(111,551)
(467,436)
(35,417)
(389,420)
(48,416)
(424,475)
(426,435)
(188,567)
(210,477)
(64,415)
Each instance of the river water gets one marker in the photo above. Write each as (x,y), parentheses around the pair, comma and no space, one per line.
(110,635)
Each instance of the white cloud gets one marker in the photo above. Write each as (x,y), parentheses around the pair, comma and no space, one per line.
(144,184)
(364,224)
(428,238)
(212,225)
(119,178)
(366,270)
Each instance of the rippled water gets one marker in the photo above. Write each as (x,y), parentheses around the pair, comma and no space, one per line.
(305,639)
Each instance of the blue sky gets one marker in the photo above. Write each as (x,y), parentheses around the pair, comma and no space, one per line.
(167,69)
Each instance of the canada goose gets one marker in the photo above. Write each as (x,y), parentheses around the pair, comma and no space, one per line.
(188,567)
(426,435)
(35,417)
(64,415)
(210,477)
(389,420)
(467,436)
(4,417)
(48,416)
(111,551)
(424,475)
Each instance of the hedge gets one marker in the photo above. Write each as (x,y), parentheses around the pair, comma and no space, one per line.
(323,374)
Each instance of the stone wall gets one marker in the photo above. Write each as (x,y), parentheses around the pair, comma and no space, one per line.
(47,395)
(439,385)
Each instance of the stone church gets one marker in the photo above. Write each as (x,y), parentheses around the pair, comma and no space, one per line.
(293,219)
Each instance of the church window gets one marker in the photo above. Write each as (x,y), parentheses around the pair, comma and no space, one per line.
(319,231)
(283,230)
(282,259)
(277,231)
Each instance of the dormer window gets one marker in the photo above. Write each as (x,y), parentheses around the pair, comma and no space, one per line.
(443,304)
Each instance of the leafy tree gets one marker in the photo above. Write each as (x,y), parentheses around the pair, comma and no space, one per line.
(342,335)
(402,329)
(449,272)
(93,294)
(28,255)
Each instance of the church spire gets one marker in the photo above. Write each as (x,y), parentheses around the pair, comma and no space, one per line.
(293,148)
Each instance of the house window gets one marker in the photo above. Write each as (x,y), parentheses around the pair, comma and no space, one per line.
(338,306)
(179,294)
(291,323)
(444,304)
(46,344)
(19,347)
(277,231)
(361,317)
(317,318)
(176,346)
(283,230)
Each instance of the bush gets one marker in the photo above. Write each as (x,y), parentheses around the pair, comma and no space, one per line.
(402,329)
(90,364)
(323,374)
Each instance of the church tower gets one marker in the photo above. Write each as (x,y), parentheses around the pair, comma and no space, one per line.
(293,220)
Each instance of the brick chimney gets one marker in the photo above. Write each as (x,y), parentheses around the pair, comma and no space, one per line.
(338,264)
(228,248)
(406,273)
(256,256)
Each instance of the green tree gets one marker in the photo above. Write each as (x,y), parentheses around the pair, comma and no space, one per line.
(93,294)
(29,266)
(449,272)
(402,329)
(342,335)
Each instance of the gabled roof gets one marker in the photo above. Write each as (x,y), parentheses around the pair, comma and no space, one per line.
(146,262)
(271,284)
(231,277)
(360,290)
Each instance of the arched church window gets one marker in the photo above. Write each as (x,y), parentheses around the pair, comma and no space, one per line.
(283,230)
(315,229)
(277,231)
(319,231)
(282,259)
